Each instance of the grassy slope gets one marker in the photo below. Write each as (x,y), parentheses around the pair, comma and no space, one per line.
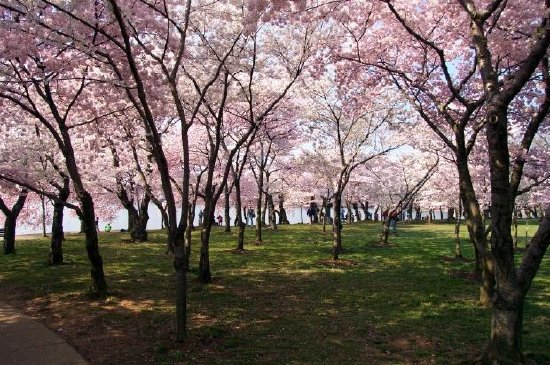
(278,303)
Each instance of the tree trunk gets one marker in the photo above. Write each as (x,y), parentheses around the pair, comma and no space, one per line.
(139,233)
(9,234)
(11,221)
(356,210)
(227,206)
(264,213)
(271,209)
(283,218)
(137,217)
(375,214)
(450,214)
(458,250)
(259,209)
(337,227)
(43,203)
(365,208)
(132,219)
(187,245)
(325,213)
(476,230)
(350,212)
(417,213)
(240,223)
(181,291)
(205,275)
(98,284)
(385,228)
(515,228)
(56,244)
(507,318)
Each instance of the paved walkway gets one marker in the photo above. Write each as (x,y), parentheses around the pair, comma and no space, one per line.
(24,341)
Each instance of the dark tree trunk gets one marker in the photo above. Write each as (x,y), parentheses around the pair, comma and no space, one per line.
(365,208)
(226,206)
(385,231)
(56,244)
(450,214)
(11,221)
(43,203)
(356,210)
(205,275)
(132,218)
(139,233)
(476,230)
(271,209)
(418,213)
(137,217)
(385,218)
(458,250)
(99,284)
(350,212)
(264,213)
(188,240)
(337,227)
(507,316)
(515,228)
(375,214)
(181,290)
(9,235)
(326,215)
(259,209)
(162,210)
(240,223)
(283,218)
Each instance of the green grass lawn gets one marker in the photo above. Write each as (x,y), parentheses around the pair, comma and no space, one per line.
(279,303)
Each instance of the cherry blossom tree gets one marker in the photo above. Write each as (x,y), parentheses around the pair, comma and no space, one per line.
(52,88)
(29,158)
(256,102)
(460,86)
(351,129)
(271,145)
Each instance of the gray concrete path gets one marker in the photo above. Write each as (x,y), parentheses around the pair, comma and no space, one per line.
(24,341)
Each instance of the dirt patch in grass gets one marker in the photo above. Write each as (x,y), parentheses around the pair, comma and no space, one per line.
(238,251)
(453,259)
(464,275)
(378,244)
(337,263)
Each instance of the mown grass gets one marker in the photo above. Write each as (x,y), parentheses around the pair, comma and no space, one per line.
(278,303)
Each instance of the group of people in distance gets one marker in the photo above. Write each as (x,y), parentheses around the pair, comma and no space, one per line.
(312,213)
(249,215)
